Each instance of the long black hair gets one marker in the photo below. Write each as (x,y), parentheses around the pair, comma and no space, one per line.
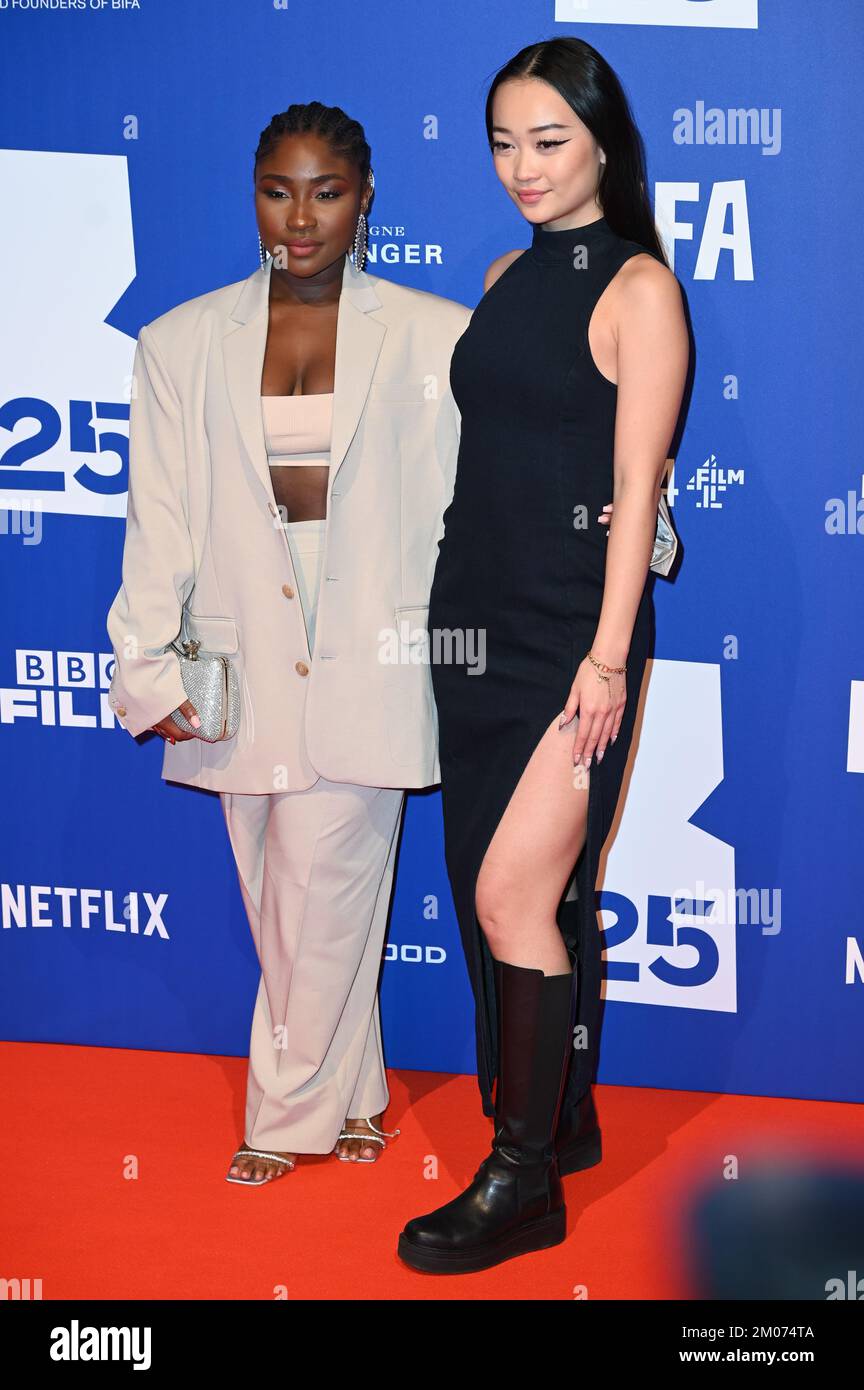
(592,89)
(344,136)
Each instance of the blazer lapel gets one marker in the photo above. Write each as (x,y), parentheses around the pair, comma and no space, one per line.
(358,344)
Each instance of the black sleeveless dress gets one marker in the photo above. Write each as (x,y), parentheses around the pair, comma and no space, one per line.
(523,562)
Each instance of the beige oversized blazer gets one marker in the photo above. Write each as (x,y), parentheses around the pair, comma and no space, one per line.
(203,530)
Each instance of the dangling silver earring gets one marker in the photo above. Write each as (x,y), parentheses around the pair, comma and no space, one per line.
(261,250)
(358,253)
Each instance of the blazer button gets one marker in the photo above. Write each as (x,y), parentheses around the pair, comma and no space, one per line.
(287,591)
(121,710)
(301,668)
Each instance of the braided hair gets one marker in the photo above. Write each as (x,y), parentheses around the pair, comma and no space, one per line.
(344,136)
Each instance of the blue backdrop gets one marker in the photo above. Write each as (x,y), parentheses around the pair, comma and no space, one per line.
(127,187)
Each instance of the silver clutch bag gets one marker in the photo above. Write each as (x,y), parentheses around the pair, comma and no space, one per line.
(210,682)
(665,540)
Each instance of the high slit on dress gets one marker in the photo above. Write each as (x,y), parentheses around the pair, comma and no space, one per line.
(520,573)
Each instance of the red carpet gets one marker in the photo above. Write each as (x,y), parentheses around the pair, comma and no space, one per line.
(79,1119)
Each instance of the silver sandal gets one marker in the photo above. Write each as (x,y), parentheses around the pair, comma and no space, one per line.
(366,1139)
(258,1153)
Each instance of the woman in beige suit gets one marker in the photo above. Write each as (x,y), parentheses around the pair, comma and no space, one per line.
(292,447)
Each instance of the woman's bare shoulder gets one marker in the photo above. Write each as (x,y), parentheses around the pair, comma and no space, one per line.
(644,276)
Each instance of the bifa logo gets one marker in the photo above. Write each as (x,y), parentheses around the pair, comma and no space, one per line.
(669,896)
(694,14)
(855,747)
(65,397)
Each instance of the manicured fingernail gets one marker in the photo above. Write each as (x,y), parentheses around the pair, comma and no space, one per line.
(195,722)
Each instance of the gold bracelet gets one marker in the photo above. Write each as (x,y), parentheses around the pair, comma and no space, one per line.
(602,667)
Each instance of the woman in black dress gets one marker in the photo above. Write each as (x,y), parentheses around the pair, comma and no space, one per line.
(535,725)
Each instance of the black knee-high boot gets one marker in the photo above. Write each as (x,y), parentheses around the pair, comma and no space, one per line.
(514,1203)
(578,1143)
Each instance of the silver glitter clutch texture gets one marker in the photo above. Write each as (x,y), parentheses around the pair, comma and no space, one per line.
(665,540)
(210,682)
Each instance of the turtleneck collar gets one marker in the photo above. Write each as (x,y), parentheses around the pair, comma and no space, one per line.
(556,246)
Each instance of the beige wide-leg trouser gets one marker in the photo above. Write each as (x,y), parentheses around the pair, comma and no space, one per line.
(316,875)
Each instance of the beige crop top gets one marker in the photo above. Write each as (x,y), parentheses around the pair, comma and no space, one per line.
(297,429)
